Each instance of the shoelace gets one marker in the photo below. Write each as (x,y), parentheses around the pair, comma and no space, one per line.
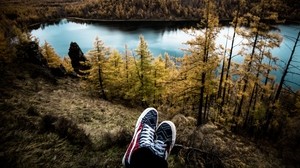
(160,148)
(147,136)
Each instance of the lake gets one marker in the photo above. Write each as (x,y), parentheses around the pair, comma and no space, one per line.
(161,37)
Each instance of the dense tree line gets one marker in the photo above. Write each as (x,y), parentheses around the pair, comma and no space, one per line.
(31,12)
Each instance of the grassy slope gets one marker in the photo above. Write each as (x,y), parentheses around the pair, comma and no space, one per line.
(57,124)
(26,143)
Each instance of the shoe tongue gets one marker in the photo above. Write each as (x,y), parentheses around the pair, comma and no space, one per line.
(152,122)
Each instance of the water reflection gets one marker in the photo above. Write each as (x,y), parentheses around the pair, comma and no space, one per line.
(161,37)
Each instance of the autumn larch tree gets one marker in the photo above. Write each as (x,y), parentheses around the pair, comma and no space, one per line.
(256,37)
(236,23)
(144,86)
(115,76)
(202,50)
(52,58)
(98,58)
(270,111)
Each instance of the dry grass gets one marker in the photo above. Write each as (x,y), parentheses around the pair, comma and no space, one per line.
(57,124)
(215,146)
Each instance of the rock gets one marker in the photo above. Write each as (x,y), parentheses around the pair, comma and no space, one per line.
(208,128)
(185,128)
(31,59)
(219,133)
(58,71)
(73,75)
(180,119)
(30,52)
(77,56)
(31,111)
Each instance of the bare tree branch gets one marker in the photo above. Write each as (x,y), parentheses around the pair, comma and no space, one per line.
(290,90)
(292,82)
(293,67)
(210,157)
(290,37)
(189,148)
(294,73)
(287,45)
(296,61)
(238,43)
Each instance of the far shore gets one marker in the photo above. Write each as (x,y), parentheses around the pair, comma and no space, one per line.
(124,20)
(79,19)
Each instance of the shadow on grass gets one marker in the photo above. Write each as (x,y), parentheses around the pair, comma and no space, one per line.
(65,128)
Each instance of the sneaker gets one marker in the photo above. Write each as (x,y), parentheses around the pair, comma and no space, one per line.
(143,134)
(165,139)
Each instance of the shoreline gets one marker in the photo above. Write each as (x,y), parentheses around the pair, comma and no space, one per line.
(132,20)
(79,19)
(160,20)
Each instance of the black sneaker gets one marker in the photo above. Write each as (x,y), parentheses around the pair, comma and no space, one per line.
(143,135)
(165,139)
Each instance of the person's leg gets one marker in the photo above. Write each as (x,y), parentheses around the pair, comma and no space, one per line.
(145,150)
(156,155)
(145,158)
(143,136)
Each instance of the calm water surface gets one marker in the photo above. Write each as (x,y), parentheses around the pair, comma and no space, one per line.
(161,38)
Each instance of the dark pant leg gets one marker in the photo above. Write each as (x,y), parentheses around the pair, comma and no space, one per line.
(145,158)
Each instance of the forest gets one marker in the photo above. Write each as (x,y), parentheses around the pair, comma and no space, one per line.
(30,12)
(205,83)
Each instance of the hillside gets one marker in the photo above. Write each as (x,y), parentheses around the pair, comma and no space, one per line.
(52,122)
(80,111)
(58,125)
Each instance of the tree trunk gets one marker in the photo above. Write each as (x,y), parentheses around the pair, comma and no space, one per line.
(255,88)
(266,81)
(203,74)
(246,77)
(230,57)
(222,72)
(205,108)
(201,100)
(126,65)
(286,69)
(101,83)
(271,109)
(250,103)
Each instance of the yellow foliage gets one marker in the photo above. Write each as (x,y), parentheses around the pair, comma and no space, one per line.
(52,58)
(67,64)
